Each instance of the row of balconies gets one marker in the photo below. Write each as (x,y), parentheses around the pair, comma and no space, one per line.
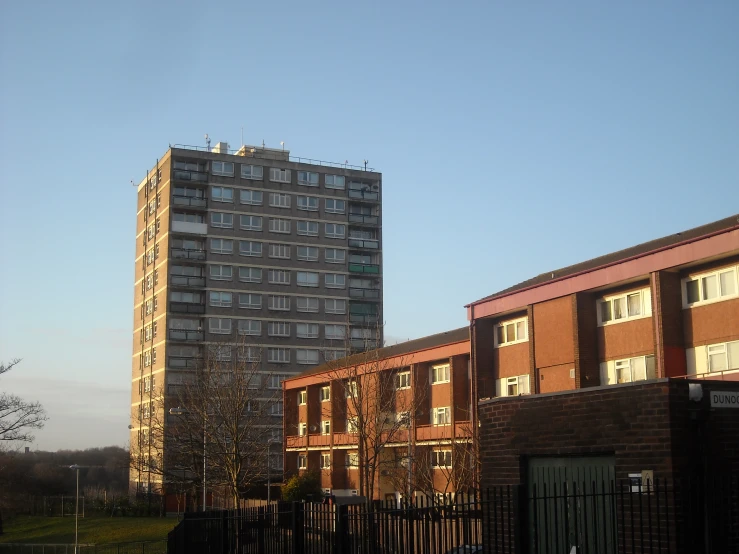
(462,430)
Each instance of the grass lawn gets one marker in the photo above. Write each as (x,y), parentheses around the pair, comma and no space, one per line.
(92,530)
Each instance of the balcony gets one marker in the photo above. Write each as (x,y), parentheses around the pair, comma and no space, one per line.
(184,281)
(368,294)
(187,254)
(363,344)
(345,438)
(319,440)
(364,319)
(372,269)
(368,244)
(185,335)
(443,432)
(190,176)
(189,227)
(189,202)
(296,441)
(176,362)
(364,195)
(186,308)
(364,219)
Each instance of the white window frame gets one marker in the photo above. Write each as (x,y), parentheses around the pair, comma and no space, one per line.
(437,420)
(326,462)
(250,305)
(248,171)
(251,226)
(644,302)
(330,333)
(352,459)
(279,251)
(308,255)
(251,193)
(279,200)
(225,246)
(278,355)
(326,427)
(325,393)
(278,225)
(330,281)
(308,203)
(334,233)
(279,299)
(254,251)
(308,332)
(302,461)
(308,178)
(307,232)
(441,459)
(278,276)
(334,209)
(333,259)
(221,197)
(253,327)
(217,326)
(220,275)
(223,216)
(221,168)
(308,309)
(278,329)
(352,425)
(302,397)
(725,349)
(216,298)
(403,380)
(337,182)
(277,175)
(716,273)
(440,373)
(334,309)
(251,279)
(304,356)
(308,279)
(514,323)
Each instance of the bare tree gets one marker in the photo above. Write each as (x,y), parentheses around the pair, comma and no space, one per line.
(18,418)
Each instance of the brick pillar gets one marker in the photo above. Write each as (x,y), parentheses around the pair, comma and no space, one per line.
(533,374)
(667,319)
(585,325)
(483,372)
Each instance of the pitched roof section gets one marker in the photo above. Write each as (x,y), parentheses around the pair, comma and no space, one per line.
(621,255)
(424,343)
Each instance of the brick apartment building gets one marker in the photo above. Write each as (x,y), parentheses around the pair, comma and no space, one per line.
(405,410)
(248,246)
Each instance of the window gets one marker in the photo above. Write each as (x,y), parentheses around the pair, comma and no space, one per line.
(302,397)
(403,380)
(250,222)
(221,246)
(335,206)
(248,353)
(251,327)
(302,458)
(250,248)
(279,175)
(440,374)
(511,332)
(278,329)
(334,181)
(352,459)
(308,228)
(278,200)
(308,253)
(624,307)
(307,304)
(441,458)
(187,297)
(280,303)
(307,357)
(308,178)
(278,277)
(335,281)
(627,370)
(252,172)
(179,216)
(334,332)
(222,194)
(325,394)
(403,418)
(325,427)
(710,287)
(219,326)
(278,355)
(307,279)
(306,330)
(351,389)
(275,381)
(221,272)
(281,251)
(335,230)
(279,225)
(308,203)
(441,416)
(723,357)
(335,306)
(335,255)
(250,274)
(512,386)
(220,299)
(352,425)
(325,458)
(222,168)
(251,196)
(221,353)
(221,220)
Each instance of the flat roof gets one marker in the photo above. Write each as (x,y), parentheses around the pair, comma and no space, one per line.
(416,345)
(725,224)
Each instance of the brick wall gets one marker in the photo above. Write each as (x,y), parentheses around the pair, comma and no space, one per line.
(669,344)
(587,372)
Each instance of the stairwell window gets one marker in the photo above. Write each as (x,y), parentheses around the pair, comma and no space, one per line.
(302,460)
(511,332)
(403,380)
(625,307)
(326,427)
(325,458)
(302,397)
(713,286)
(325,394)
(441,459)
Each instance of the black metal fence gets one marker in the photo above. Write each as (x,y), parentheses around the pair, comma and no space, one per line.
(140,547)
(593,518)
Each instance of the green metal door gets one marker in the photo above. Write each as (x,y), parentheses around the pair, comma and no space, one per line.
(572,504)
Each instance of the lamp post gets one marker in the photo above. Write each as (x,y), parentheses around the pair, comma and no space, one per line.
(180,412)
(76,468)
(269,470)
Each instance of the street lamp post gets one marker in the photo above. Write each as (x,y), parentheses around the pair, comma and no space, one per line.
(76,468)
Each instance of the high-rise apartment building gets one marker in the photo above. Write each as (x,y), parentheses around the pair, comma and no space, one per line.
(254,244)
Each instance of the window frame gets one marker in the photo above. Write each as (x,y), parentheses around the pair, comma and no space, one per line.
(278,175)
(280,200)
(333,185)
(280,225)
(334,310)
(221,225)
(256,332)
(700,277)
(279,251)
(220,197)
(645,306)
(221,276)
(278,350)
(223,172)
(251,279)
(400,378)
(434,373)
(273,273)
(220,303)
(307,334)
(250,174)
(504,324)
(302,397)
(306,282)
(306,206)
(306,257)
(307,310)
(226,248)
(333,259)
(219,329)
(307,232)
(251,252)
(334,234)
(334,210)
(284,299)
(307,181)
(251,227)
(334,277)
(325,393)
(251,193)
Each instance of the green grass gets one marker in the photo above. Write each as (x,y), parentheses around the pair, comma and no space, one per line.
(92,530)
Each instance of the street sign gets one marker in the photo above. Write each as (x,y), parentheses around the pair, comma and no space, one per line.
(724,399)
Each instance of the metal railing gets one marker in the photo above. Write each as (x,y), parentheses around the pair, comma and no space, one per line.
(177,334)
(363,194)
(365,219)
(183,175)
(144,547)
(189,201)
(370,294)
(186,308)
(370,244)
(186,281)
(188,254)
(364,268)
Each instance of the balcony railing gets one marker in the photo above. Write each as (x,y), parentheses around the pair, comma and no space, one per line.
(189,227)
(364,243)
(725,375)
(345,438)
(369,294)
(364,194)
(176,362)
(186,308)
(188,254)
(182,175)
(185,335)
(440,432)
(189,201)
(185,281)
(363,344)
(363,318)
(364,268)
(296,441)
(315,439)
(365,219)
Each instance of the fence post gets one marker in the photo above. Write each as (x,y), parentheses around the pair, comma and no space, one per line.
(341,527)
(297,527)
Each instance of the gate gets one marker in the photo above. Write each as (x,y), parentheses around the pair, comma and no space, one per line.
(572,503)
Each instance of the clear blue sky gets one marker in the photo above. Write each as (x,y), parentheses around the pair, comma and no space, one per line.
(514,138)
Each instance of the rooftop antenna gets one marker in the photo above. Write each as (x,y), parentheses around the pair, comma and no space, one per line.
(282,143)
(207,143)
(365,165)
